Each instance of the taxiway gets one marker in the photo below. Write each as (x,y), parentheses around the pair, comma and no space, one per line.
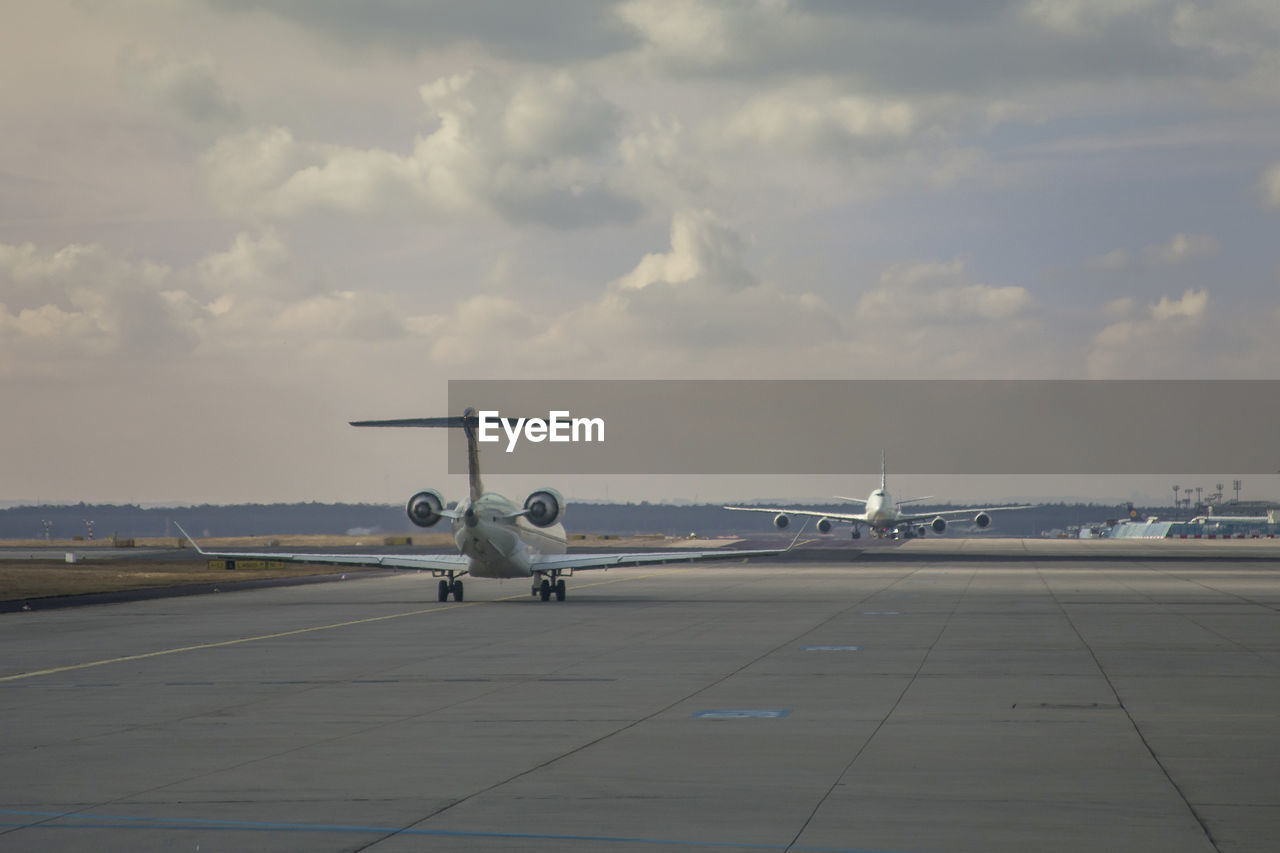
(929,705)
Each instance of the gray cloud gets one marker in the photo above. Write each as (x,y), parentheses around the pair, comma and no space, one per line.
(188,87)
(964,48)
(531,150)
(548,32)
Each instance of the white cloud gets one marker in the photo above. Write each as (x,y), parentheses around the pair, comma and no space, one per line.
(939,293)
(532,149)
(1180,248)
(1270,186)
(1190,307)
(83,308)
(1169,342)
(805,120)
(702,247)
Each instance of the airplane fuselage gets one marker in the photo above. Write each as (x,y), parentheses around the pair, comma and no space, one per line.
(881,511)
(499,545)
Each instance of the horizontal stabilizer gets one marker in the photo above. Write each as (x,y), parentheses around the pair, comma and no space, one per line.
(455,421)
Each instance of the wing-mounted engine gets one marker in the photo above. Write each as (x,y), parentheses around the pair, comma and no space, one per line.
(544,507)
(939,524)
(425,508)
(781,521)
(824,525)
(982,521)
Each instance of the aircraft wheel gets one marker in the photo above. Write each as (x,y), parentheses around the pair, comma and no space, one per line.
(457,590)
(856,534)
(560,590)
(544,590)
(444,590)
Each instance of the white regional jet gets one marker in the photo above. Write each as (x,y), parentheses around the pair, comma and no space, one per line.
(883,515)
(495,537)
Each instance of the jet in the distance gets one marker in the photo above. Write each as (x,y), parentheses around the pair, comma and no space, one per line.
(495,537)
(882,515)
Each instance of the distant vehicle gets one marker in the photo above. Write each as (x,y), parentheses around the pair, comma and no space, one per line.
(495,537)
(883,515)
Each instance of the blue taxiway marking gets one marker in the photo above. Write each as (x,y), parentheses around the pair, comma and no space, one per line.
(743,714)
(831,649)
(103,821)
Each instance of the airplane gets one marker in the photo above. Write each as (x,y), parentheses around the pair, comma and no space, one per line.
(883,515)
(495,537)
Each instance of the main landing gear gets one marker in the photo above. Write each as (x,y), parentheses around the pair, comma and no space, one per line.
(550,583)
(448,587)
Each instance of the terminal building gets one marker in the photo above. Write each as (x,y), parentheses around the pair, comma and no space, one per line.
(1209,526)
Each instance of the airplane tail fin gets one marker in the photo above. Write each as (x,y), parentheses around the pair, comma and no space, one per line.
(882,486)
(469,423)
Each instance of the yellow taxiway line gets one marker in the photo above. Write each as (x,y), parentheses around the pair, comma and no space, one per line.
(297,631)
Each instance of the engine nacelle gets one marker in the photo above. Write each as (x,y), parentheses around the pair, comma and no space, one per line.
(939,524)
(824,525)
(982,521)
(425,508)
(544,507)
(781,521)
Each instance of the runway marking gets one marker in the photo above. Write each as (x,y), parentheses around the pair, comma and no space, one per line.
(298,631)
(96,821)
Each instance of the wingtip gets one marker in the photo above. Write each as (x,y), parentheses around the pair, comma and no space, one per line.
(189,538)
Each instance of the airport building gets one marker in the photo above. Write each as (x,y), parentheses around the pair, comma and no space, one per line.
(1200,527)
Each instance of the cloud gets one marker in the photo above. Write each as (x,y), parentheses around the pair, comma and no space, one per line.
(529,150)
(1083,17)
(702,249)
(82,308)
(187,87)
(1270,186)
(968,49)
(1169,341)
(1178,249)
(802,120)
(939,293)
(551,31)
(1190,307)
(82,302)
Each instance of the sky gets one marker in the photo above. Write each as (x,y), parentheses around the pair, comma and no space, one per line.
(229,227)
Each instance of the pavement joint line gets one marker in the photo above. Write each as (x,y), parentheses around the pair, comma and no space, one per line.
(1195,814)
(297,631)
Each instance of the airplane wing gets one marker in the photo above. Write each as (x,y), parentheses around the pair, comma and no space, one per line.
(804,513)
(386,561)
(611,561)
(946,512)
(459,562)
